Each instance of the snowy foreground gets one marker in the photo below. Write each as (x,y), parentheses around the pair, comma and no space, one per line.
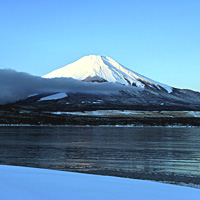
(29,183)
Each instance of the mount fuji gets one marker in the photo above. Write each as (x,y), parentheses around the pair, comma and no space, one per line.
(100,83)
(96,90)
(104,69)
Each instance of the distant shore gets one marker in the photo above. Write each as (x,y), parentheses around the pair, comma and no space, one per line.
(8,117)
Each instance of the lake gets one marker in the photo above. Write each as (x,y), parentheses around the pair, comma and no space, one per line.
(157,153)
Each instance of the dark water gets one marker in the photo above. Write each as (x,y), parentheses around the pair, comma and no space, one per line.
(166,154)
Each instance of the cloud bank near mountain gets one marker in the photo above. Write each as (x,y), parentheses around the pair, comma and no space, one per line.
(15,86)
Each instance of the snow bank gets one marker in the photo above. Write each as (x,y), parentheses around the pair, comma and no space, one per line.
(54,97)
(194,113)
(133,113)
(30,183)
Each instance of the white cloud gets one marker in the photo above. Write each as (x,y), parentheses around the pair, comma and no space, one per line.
(16,86)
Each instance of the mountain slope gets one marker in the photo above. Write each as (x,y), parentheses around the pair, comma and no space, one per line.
(101,69)
(140,93)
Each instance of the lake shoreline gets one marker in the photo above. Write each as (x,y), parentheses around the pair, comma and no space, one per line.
(173,179)
(52,184)
(44,119)
(108,126)
(11,115)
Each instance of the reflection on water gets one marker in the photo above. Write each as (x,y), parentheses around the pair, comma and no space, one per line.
(171,154)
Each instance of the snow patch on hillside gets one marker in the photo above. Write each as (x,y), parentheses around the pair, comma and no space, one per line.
(32,95)
(132,113)
(54,97)
(194,113)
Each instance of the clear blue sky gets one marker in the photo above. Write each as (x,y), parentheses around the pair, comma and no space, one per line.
(156,38)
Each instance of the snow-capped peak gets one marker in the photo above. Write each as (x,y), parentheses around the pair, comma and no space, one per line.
(102,68)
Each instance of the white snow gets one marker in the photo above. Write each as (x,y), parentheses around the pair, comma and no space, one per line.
(104,68)
(95,102)
(23,183)
(104,112)
(53,97)
(133,113)
(32,95)
(194,113)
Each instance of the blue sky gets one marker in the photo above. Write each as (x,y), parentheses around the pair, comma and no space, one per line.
(156,38)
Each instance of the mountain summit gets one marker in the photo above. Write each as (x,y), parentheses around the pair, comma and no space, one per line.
(104,69)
